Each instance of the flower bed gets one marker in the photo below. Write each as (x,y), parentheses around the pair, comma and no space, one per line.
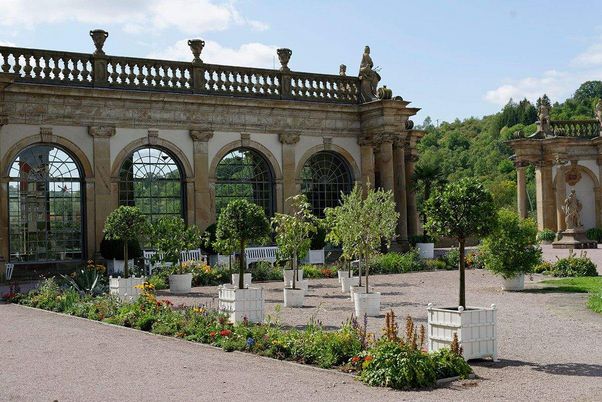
(393,361)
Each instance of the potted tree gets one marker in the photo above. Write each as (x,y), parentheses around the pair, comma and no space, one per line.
(170,236)
(242,222)
(126,224)
(462,209)
(511,249)
(293,237)
(371,219)
(112,252)
(337,221)
(426,176)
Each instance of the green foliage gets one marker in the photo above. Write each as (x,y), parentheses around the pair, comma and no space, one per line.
(450,364)
(170,236)
(395,263)
(242,222)
(209,238)
(452,259)
(462,209)
(574,266)
(264,271)
(318,238)
(293,232)
(546,235)
(511,248)
(113,249)
(543,267)
(594,302)
(590,284)
(361,224)
(126,223)
(88,280)
(158,281)
(594,234)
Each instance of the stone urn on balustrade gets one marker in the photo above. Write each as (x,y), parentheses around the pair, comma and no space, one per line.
(196,47)
(99,36)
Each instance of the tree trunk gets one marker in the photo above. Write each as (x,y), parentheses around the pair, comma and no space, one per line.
(367,272)
(360,270)
(241,266)
(462,301)
(126,270)
(294,263)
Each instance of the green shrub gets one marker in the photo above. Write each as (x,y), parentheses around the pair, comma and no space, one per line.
(543,267)
(574,266)
(450,364)
(436,264)
(511,248)
(159,280)
(264,271)
(546,235)
(395,263)
(452,259)
(594,234)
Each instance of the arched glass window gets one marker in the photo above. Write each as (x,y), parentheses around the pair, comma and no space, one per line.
(244,174)
(324,176)
(45,193)
(151,179)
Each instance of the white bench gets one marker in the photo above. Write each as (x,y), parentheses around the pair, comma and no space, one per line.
(192,255)
(256,254)
(149,264)
(9,270)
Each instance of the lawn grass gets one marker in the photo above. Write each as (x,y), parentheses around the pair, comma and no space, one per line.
(587,284)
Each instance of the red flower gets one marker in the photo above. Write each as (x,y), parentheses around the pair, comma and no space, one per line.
(355,359)
(225,332)
(212,334)
(368,358)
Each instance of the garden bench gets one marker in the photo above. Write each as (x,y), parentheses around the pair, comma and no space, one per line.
(192,255)
(9,270)
(149,264)
(256,254)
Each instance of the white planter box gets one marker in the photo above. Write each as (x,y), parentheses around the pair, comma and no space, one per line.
(315,257)
(246,280)
(293,297)
(180,284)
(475,328)
(340,274)
(241,303)
(288,277)
(125,288)
(515,283)
(347,282)
(358,289)
(366,303)
(426,250)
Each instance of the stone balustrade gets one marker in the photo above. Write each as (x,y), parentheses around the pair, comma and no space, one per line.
(575,128)
(129,73)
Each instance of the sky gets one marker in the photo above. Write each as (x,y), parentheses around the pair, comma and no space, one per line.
(453,59)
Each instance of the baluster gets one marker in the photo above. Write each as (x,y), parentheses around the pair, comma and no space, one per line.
(65,70)
(55,68)
(27,68)
(17,68)
(131,75)
(47,70)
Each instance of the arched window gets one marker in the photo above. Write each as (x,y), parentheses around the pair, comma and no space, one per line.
(151,179)
(244,174)
(45,193)
(324,176)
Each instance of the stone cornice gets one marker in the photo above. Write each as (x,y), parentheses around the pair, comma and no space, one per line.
(289,138)
(101,131)
(201,135)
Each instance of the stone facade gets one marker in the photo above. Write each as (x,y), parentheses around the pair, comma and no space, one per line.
(566,155)
(101,125)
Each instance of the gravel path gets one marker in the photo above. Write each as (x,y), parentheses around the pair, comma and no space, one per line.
(550,348)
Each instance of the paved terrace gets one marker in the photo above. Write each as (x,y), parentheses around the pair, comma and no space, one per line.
(548,349)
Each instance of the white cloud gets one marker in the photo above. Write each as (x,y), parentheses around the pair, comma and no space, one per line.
(135,16)
(6,43)
(248,54)
(558,85)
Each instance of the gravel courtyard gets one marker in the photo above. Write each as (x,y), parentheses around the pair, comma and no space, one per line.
(549,349)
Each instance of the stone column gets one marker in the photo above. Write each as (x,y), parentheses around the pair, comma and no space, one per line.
(387,180)
(560,191)
(411,159)
(400,192)
(4,251)
(202,196)
(521,189)
(100,190)
(546,199)
(289,187)
(367,162)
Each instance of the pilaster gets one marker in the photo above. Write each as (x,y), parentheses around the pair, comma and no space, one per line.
(400,192)
(288,140)
(202,195)
(367,162)
(546,199)
(521,189)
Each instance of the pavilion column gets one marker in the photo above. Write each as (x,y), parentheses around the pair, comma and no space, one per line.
(546,199)
(99,192)
(289,182)
(367,162)
(411,195)
(400,192)
(202,196)
(521,190)
(560,190)
(387,180)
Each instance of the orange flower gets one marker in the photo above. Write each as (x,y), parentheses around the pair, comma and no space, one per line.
(368,358)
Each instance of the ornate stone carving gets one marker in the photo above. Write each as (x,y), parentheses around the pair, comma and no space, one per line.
(598,112)
(284,55)
(196,46)
(101,131)
(342,70)
(364,140)
(572,176)
(245,139)
(46,134)
(572,210)
(327,141)
(369,78)
(543,114)
(98,37)
(201,135)
(409,124)
(153,135)
(384,137)
(289,138)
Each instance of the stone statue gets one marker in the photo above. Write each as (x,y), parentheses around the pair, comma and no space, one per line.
(369,77)
(342,70)
(572,211)
(598,111)
(544,117)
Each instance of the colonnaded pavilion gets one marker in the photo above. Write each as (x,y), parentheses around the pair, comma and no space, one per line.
(84,133)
